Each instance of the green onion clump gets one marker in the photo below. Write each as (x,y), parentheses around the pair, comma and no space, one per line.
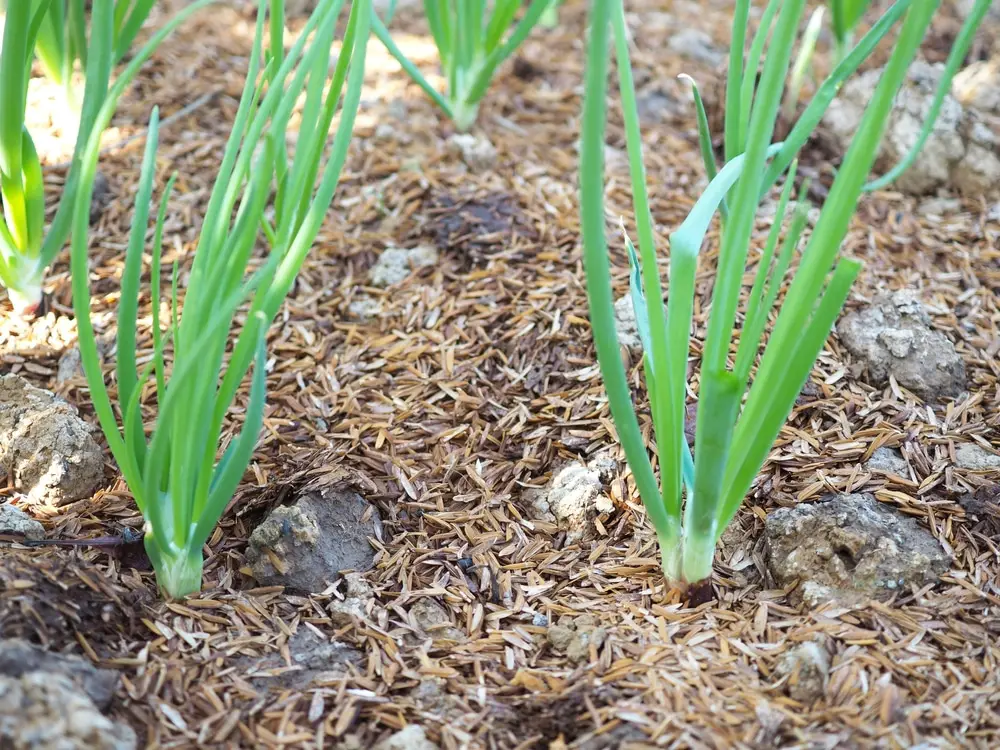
(845,15)
(472,42)
(62,36)
(26,247)
(739,413)
(183,474)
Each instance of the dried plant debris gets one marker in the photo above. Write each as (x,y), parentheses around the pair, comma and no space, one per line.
(311,658)
(478,223)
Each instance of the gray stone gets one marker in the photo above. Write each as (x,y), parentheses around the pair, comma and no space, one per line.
(887,461)
(978,85)
(411,737)
(850,547)
(964,7)
(396,263)
(625,324)
(354,606)
(19,657)
(47,711)
(963,151)
(975,458)
(936,208)
(364,307)
(893,337)
(573,497)
(307,544)
(434,620)
(476,151)
(45,448)
(314,658)
(575,636)
(15,521)
(696,45)
(805,669)
(656,106)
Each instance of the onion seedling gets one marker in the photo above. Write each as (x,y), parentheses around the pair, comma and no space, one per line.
(844,18)
(26,248)
(738,417)
(62,36)
(183,475)
(472,43)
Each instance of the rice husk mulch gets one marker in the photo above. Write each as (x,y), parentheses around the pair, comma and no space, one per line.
(474,381)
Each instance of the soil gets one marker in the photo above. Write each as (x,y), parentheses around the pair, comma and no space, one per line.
(472,384)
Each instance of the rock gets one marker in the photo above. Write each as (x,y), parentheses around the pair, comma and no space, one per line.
(396,263)
(19,657)
(573,637)
(938,207)
(364,307)
(696,45)
(354,606)
(411,737)
(984,506)
(849,547)
(625,324)
(384,132)
(656,106)
(476,151)
(15,521)
(101,197)
(805,670)
(45,448)
(893,337)
(434,619)
(964,7)
(47,711)
(306,545)
(314,657)
(887,461)
(70,365)
(962,150)
(974,458)
(572,498)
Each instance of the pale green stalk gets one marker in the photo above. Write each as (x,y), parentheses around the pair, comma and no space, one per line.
(184,474)
(62,41)
(472,43)
(732,439)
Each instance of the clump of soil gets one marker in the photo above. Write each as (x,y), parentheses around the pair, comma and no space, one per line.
(45,448)
(848,547)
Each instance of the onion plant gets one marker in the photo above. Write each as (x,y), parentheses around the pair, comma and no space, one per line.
(739,414)
(472,41)
(845,15)
(183,474)
(26,247)
(62,36)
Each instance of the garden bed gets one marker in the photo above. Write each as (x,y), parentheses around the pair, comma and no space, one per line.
(451,398)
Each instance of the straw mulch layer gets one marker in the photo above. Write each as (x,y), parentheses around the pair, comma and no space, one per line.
(475,380)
